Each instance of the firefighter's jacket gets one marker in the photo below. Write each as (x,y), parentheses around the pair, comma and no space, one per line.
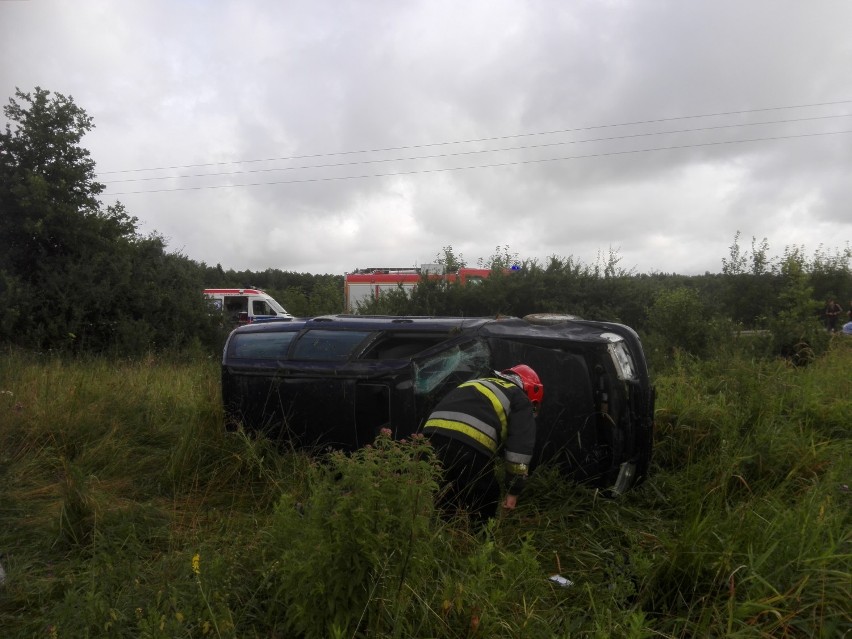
(489,414)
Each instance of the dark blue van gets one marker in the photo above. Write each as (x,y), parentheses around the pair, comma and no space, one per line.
(335,381)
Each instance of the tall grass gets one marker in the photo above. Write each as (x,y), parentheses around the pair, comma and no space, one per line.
(127,510)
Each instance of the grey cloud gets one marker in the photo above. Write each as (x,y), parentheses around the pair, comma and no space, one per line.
(188,84)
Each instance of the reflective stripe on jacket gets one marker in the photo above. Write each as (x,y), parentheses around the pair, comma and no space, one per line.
(489,413)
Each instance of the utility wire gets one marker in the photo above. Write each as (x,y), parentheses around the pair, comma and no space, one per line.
(488,139)
(485,166)
(458,153)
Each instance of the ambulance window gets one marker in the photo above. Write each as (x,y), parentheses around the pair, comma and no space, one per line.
(276,307)
(260,307)
(236,304)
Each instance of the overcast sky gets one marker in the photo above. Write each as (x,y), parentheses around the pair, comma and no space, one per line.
(654,129)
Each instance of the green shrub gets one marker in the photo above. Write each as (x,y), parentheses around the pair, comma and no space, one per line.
(344,554)
(680,318)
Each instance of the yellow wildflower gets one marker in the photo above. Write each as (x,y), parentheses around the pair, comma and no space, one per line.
(196,564)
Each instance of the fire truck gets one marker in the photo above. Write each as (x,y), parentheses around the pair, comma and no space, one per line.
(364,284)
(244,305)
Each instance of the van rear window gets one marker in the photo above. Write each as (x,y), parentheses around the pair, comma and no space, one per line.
(261,345)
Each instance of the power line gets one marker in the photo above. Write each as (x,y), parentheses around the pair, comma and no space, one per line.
(488,139)
(459,153)
(483,166)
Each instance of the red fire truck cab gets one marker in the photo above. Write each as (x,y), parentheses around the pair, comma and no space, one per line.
(364,284)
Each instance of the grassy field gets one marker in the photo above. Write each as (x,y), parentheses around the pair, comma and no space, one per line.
(126,510)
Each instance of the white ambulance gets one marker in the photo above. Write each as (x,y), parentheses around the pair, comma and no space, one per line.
(245,305)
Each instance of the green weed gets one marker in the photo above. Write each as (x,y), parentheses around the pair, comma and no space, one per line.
(129,511)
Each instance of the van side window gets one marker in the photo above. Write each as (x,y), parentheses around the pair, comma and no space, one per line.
(234,305)
(260,345)
(323,345)
(260,307)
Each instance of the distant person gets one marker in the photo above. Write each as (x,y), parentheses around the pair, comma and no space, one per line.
(832,312)
(849,312)
(472,426)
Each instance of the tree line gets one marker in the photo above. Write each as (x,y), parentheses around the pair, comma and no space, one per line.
(778,300)
(77,276)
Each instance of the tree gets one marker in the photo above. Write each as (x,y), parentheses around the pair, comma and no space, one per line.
(48,191)
(679,318)
(736,265)
(74,275)
(327,297)
(831,273)
(51,222)
(796,331)
(748,292)
(449,260)
(500,259)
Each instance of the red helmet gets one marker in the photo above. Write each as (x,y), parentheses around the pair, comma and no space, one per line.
(530,382)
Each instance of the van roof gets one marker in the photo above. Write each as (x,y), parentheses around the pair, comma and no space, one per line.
(233,291)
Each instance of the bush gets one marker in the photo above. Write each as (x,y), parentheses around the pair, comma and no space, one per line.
(679,317)
(343,555)
(364,553)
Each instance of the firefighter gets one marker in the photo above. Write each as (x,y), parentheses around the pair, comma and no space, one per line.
(472,426)
(832,312)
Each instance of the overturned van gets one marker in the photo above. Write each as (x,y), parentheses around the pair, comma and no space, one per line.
(335,381)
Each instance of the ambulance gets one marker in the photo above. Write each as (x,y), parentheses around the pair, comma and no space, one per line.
(245,305)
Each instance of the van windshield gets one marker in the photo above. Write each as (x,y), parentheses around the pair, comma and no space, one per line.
(458,363)
(279,310)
